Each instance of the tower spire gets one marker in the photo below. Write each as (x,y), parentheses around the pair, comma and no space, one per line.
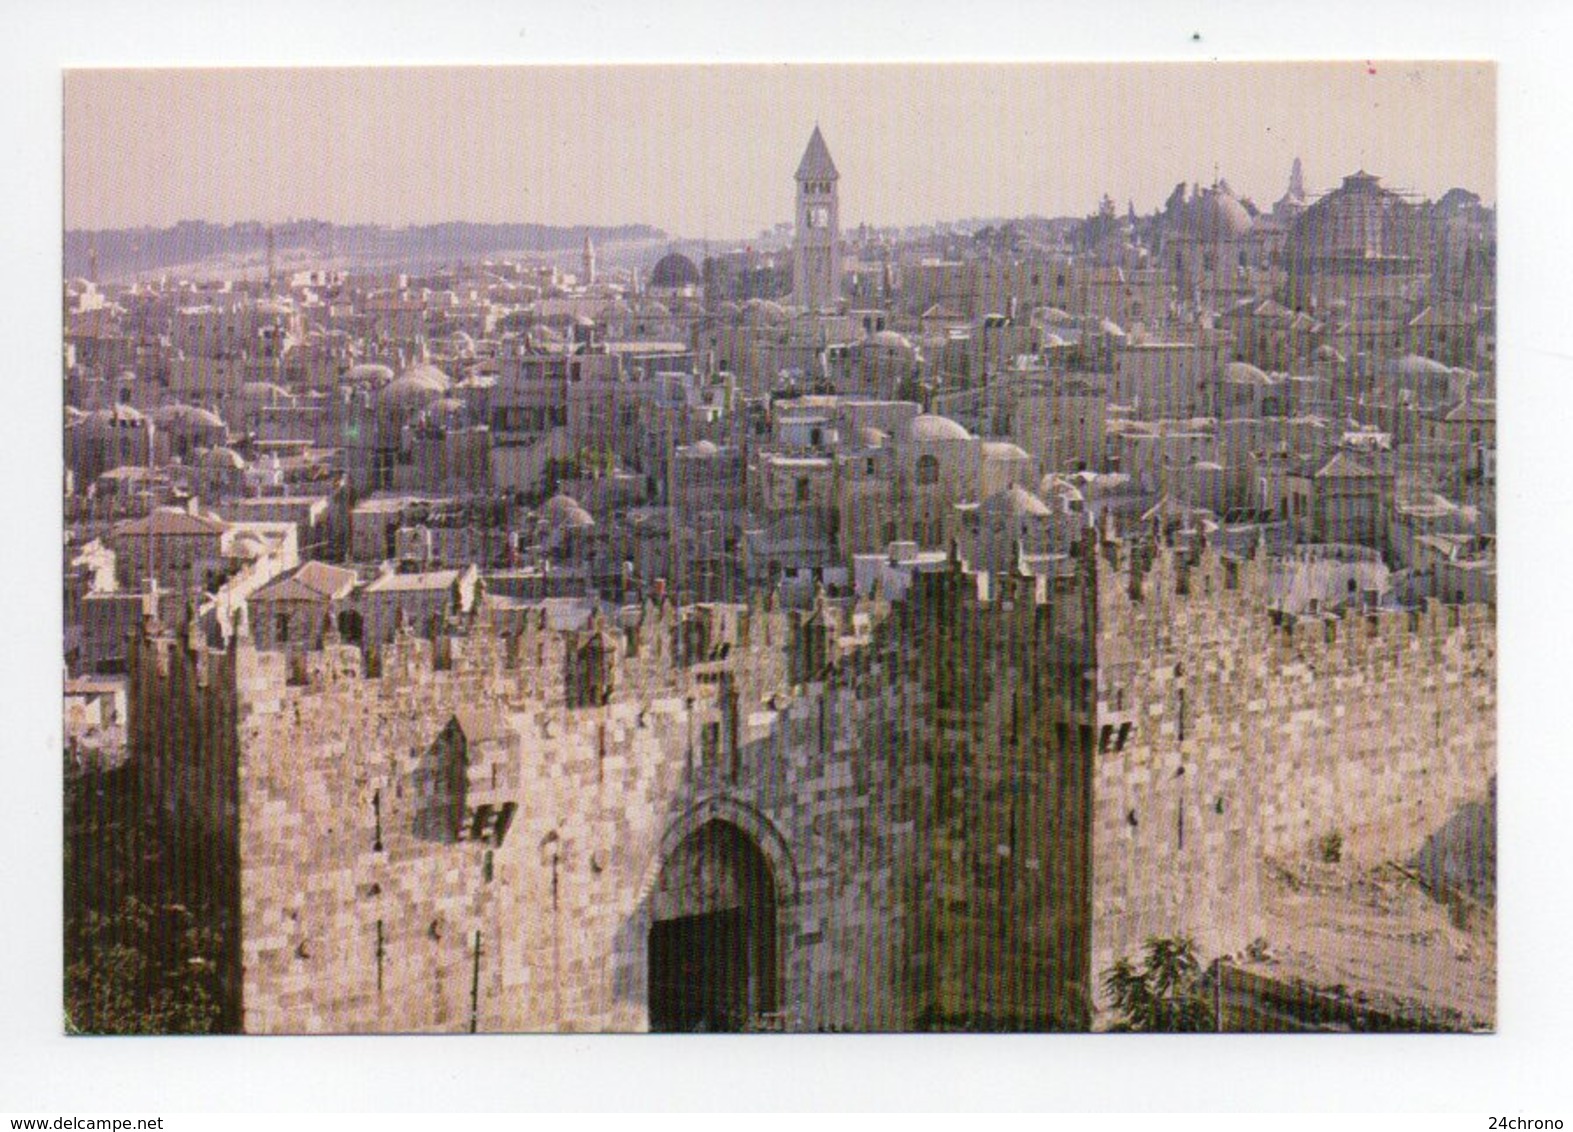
(816,248)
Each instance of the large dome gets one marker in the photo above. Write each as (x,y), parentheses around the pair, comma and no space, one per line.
(928,427)
(187,419)
(674,270)
(413,389)
(1216,216)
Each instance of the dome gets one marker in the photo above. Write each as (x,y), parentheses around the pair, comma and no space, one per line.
(928,427)
(891,340)
(674,270)
(871,437)
(561,511)
(1018,501)
(702,448)
(221,459)
(655,310)
(1325,353)
(1243,373)
(763,310)
(1215,216)
(187,418)
(1413,365)
(413,389)
(263,393)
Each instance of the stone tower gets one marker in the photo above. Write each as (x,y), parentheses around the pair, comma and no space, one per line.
(816,249)
(588,255)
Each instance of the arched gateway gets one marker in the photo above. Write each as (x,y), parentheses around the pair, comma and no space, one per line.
(713,963)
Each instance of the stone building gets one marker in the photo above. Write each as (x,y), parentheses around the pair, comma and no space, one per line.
(948,811)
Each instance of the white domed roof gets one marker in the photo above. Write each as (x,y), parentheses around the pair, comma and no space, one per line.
(222,459)
(871,437)
(175,418)
(1243,373)
(413,389)
(263,393)
(563,511)
(763,310)
(928,427)
(1017,500)
(892,340)
(1413,365)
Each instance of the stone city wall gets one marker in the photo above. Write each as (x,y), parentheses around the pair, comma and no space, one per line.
(966,808)
(1228,734)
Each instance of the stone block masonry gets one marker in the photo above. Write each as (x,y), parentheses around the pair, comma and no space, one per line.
(951,811)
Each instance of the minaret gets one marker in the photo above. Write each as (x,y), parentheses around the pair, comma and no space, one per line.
(589,262)
(816,249)
(1296,181)
(270,259)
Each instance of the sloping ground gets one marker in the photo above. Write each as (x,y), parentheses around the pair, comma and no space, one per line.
(1377,939)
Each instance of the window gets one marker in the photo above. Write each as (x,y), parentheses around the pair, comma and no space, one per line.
(802,489)
(928,470)
(281,628)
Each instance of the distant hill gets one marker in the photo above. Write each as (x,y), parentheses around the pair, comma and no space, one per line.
(197,247)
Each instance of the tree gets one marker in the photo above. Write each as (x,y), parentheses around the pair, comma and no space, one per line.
(1165,994)
(141,970)
(145,946)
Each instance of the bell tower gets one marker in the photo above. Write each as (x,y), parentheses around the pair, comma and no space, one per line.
(816,248)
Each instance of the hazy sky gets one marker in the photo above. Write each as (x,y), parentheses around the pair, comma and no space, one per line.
(711,150)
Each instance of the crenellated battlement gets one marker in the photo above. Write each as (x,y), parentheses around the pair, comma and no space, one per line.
(1046,768)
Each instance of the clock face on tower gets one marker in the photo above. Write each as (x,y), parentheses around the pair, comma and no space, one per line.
(818,216)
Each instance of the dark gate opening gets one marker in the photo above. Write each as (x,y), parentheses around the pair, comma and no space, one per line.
(699,973)
(712,944)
